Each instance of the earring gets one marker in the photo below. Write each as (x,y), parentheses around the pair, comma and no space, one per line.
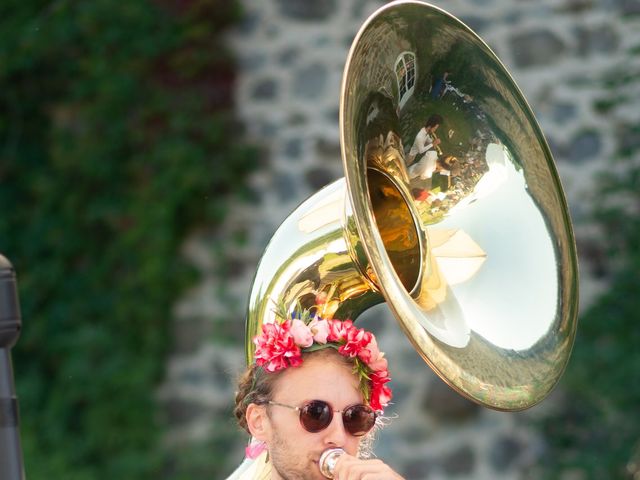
(255,448)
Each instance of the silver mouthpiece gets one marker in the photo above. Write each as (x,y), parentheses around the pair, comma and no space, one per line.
(328,461)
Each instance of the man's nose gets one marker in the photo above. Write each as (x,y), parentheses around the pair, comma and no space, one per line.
(335,433)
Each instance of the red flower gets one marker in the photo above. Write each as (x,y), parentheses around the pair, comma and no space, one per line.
(276,348)
(356,340)
(380,393)
(338,329)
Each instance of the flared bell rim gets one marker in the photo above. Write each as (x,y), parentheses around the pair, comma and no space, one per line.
(511,396)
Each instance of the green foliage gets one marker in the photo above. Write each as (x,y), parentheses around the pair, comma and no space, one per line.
(115,143)
(599,427)
(597,430)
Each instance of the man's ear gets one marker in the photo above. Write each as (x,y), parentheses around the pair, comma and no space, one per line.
(258,422)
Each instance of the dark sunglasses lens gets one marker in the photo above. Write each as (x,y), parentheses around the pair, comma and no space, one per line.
(359,419)
(316,416)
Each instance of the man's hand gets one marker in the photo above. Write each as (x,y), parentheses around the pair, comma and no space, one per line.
(352,468)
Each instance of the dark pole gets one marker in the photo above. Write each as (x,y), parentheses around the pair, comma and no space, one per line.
(11,466)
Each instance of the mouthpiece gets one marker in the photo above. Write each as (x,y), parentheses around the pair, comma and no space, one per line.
(328,461)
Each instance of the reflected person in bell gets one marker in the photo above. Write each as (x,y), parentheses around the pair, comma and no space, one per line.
(315,385)
(425,146)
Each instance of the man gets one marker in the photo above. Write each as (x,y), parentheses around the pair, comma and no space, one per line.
(315,384)
(425,144)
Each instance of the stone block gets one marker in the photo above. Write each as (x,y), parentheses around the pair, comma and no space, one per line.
(537,47)
(305,10)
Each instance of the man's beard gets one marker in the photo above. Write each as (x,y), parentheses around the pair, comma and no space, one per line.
(285,464)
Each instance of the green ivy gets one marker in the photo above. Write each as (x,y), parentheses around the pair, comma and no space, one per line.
(595,434)
(598,431)
(116,142)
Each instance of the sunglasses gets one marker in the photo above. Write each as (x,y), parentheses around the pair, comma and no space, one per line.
(316,415)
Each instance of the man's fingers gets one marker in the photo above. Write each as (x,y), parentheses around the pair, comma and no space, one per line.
(351,468)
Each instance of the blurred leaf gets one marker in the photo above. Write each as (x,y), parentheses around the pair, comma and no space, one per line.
(115,129)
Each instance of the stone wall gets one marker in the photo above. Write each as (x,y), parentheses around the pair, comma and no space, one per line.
(573,60)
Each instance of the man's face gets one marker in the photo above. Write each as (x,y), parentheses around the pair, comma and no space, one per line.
(294,452)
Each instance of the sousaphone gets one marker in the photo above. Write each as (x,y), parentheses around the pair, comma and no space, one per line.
(473,253)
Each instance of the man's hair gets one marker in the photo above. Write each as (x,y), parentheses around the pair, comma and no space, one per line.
(254,386)
(433,120)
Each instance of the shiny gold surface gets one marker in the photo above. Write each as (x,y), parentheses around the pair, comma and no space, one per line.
(469,243)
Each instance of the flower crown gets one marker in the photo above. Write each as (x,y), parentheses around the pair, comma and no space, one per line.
(281,344)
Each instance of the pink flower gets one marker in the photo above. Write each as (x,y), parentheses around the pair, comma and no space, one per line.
(380,364)
(370,352)
(320,330)
(356,340)
(372,356)
(321,298)
(302,335)
(276,347)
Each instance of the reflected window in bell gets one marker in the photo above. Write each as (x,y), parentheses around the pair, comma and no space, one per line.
(406,75)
